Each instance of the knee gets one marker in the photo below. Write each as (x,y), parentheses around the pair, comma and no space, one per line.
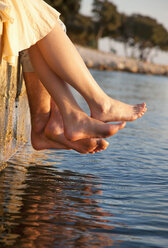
(25,61)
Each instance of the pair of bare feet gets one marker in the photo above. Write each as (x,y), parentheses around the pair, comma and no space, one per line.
(57,65)
(112,110)
(48,130)
(48,133)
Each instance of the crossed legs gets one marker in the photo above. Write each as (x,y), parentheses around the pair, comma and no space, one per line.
(63,58)
(47,127)
(55,61)
(55,57)
(77,124)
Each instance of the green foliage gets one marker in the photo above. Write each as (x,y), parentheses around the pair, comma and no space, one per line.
(67,8)
(140,32)
(80,28)
(107,18)
(82,31)
(160,37)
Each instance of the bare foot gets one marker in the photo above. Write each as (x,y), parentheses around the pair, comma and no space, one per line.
(38,139)
(101,145)
(40,142)
(80,126)
(81,146)
(113,110)
(54,131)
(53,138)
(48,133)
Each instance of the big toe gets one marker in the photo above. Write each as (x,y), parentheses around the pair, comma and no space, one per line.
(139,110)
(114,128)
(101,145)
(141,107)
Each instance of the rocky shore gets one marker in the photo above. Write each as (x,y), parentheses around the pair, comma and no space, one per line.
(107,61)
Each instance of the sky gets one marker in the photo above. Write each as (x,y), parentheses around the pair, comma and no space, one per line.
(154,8)
(157,9)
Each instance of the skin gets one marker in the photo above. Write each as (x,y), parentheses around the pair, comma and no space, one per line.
(55,54)
(77,124)
(47,126)
(63,58)
(61,124)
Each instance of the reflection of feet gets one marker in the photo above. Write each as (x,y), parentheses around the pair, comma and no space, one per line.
(55,131)
(114,110)
(81,126)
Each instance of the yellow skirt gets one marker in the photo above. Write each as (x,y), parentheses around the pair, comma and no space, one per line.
(23,23)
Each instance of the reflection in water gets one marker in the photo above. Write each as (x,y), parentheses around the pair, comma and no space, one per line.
(45,207)
(117,198)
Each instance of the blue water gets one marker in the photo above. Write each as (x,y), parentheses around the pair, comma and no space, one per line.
(116,198)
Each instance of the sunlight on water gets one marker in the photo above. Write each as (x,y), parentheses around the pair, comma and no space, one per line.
(116,198)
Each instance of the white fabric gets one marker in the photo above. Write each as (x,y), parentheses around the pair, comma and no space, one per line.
(24,23)
(25,59)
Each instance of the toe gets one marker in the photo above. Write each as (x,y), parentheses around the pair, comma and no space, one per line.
(116,127)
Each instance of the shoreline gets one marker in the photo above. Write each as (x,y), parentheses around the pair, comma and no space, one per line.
(100,60)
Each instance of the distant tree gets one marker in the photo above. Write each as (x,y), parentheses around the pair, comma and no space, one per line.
(82,31)
(68,9)
(106,18)
(142,33)
(160,37)
(80,28)
(122,33)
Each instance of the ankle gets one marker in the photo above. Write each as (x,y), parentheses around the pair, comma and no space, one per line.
(100,107)
(35,143)
(39,122)
(75,121)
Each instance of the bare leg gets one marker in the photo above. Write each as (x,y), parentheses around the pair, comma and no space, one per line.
(39,102)
(77,125)
(64,60)
(47,127)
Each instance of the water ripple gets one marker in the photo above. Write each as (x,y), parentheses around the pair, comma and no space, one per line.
(118,198)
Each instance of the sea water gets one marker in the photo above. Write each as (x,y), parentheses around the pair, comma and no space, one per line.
(115,198)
